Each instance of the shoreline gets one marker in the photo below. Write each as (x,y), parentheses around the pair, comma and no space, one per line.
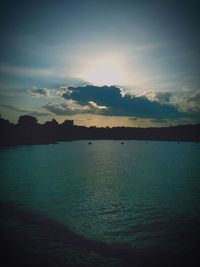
(6,146)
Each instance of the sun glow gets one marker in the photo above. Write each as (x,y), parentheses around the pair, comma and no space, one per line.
(103,71)
(103,76)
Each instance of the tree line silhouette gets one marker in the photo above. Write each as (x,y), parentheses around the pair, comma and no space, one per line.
(28,131)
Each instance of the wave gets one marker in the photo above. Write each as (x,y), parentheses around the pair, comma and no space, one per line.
(33,239)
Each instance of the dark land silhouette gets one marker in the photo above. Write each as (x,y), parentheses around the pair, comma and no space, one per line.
(28,131)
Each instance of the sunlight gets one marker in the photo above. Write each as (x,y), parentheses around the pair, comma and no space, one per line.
(103,76)
(103,71)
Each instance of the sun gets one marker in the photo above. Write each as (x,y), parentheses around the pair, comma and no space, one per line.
(103,76)
(102,71)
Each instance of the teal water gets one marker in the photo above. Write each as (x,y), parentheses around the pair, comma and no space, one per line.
(143,196)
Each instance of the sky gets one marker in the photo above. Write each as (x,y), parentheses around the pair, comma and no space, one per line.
(101,62)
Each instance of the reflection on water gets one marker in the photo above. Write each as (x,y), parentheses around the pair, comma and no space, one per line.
(141,197)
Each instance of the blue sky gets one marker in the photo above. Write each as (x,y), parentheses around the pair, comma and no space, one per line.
(144,52)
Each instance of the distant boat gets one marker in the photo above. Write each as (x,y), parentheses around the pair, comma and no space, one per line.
(122,143)
(89,143)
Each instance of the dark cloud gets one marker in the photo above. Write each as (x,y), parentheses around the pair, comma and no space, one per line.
(63,90)
(39,92)
(163,97)
(127,105)
(71,107)
(25,111)
(64,109)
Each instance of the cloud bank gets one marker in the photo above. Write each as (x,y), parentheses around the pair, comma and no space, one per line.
(113,101)
(155,105)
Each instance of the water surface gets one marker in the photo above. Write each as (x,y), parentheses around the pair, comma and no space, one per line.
(135,204)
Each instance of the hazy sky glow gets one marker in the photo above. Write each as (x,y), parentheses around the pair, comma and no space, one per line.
(146,53)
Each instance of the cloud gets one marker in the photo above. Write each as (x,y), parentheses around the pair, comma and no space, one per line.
(155,105)
(46,77)
(189,102)
(40,92)
(63,90)
(161,97)
(98,94)
(36,113)
(95,106)
(72,107)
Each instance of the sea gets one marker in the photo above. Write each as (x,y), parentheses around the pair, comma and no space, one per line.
(108,203)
